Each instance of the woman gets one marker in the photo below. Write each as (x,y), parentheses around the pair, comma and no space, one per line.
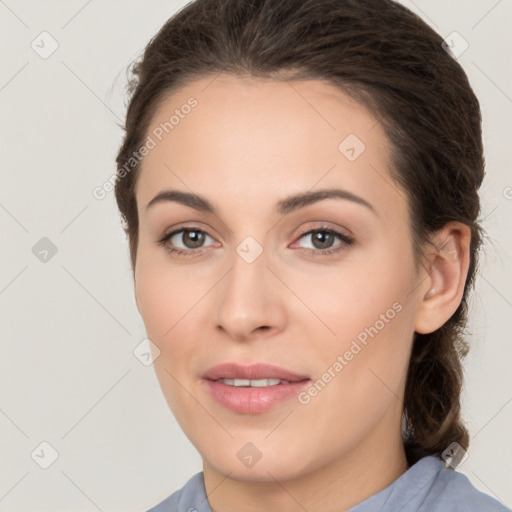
(299,185)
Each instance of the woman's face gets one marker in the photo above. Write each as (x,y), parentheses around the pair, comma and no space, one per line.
(318,294)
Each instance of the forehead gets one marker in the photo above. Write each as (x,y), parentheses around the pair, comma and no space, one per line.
(263,135)
(227,104)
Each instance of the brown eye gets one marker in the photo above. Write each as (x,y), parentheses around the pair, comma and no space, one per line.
(192,239)
(323,241)
(185,241)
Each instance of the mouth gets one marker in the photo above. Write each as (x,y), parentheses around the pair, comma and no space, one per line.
(252,389)
(252,383)
(252,373)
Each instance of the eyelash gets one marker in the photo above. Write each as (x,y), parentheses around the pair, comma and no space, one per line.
(346,240)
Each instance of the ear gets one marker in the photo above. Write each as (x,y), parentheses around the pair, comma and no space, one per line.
(447,265)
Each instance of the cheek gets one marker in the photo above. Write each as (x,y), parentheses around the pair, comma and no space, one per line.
(370,319)
(163,296)
(153,304)
(170,306)
(351,300)
(166,308)
(368,383)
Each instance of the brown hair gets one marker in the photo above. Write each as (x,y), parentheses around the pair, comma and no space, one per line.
(391,61)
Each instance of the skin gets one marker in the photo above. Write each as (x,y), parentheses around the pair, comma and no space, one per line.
(248,144)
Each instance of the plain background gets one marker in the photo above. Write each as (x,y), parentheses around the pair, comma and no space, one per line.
(69,325)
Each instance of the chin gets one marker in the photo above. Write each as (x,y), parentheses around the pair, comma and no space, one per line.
(258,462)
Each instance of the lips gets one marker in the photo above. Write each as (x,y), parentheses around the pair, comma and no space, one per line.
(252,389)
(252,372)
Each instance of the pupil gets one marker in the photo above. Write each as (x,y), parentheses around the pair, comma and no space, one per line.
(325,239)
(193,239)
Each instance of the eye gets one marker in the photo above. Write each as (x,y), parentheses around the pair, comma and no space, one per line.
(192,239)
(323,240)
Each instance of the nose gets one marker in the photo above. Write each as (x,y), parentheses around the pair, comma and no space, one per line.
(249,302)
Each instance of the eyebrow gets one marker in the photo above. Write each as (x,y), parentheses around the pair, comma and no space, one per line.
(285,206)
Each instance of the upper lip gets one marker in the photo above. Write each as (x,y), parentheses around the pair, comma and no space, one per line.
(252,372)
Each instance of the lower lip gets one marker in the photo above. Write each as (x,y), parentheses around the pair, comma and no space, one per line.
(253,400)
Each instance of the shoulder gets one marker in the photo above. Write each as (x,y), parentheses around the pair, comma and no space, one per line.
(429,486)
(190,498)
(454,491)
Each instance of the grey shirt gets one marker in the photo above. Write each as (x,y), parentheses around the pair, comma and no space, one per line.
(427,486)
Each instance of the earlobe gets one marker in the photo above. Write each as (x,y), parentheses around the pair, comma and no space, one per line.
(443,288)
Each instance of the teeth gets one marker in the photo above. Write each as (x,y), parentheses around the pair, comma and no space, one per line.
(256,383)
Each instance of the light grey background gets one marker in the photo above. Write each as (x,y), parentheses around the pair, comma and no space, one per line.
(69,325)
